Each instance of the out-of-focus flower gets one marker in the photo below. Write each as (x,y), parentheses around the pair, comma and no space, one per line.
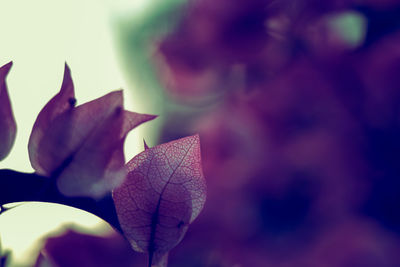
(354,242)
(301,138)
(280,163)
(225,46)
(82,147)
(7,122)
(201,59)
(378,70)
(76,249)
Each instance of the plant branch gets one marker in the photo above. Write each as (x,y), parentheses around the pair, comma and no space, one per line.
(17,186)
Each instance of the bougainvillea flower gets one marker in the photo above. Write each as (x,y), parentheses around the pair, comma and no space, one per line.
(163,193)
(7,122)
(353,242)
(82,147)
(199,60)
(78,249)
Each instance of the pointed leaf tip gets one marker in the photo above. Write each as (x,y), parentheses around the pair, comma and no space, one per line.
(163,193)
(133,119)
(82,147)
(5,69)
(145,145)
(67,86)
(8,126)
(67,70)
(63,101)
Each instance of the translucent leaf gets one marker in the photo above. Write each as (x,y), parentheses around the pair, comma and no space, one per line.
(82,147)
(163,193)
(60,103)
(8,126)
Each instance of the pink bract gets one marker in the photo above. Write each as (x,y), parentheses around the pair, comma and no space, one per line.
(163,193)
(8,126)
(82,147)
(73,248)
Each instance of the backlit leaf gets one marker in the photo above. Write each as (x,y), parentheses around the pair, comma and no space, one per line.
(7,122)
(163,193)
(60,103)
(82,147)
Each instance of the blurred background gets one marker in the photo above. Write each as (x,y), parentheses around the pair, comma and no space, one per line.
(297,103)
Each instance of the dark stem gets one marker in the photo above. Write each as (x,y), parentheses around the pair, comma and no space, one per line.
(17,186)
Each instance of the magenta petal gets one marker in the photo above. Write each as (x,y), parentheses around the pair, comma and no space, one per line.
(82,147)
(85,140)
(8,126)
(163,193)
(77,249)
(133,119)
(60,103)
(130,121)
(98,164)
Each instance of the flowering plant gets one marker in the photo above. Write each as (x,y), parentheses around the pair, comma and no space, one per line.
(77,155)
